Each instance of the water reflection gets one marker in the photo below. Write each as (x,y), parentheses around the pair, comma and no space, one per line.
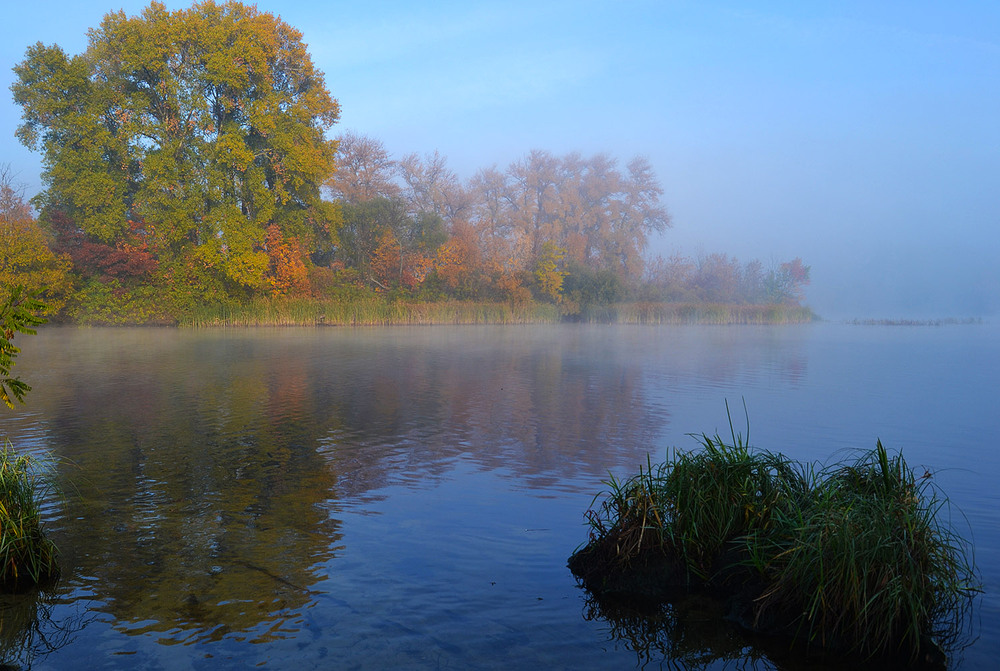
(208,472)
(198,507)
(208,468)
(28,629)
(689,633)
(694,632)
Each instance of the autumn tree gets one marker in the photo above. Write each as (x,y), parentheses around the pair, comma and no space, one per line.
(501,243)
(549,274)
(719,278)
(388,246)
(194,130)
(457,264)
(668,279)
(363,229)
(431,187)
(287,273)
(716,279)
(25,256)
(364,170)
(601,215)
(785,283)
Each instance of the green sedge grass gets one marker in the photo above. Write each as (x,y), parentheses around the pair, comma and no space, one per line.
(27,556)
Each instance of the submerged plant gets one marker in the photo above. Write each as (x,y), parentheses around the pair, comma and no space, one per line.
(27,557)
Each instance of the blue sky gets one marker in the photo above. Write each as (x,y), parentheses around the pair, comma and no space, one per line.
(862,136)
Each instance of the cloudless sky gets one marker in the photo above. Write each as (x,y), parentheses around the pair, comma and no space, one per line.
(862,136)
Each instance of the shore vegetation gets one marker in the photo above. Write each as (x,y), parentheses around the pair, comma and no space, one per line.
(27,556)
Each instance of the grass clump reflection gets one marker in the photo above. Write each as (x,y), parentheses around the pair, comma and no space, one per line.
(852,558)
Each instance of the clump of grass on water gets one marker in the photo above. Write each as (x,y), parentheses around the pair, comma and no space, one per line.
(27,557)
(867,563)
(854,557)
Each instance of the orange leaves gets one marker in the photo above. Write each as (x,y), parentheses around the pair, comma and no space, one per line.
(394,266)
(286,273)
(451,263)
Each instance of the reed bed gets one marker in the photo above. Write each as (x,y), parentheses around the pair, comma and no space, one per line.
(711,313)
(854,558)
(27,557)
(380,311)
(949,321)
(368,312)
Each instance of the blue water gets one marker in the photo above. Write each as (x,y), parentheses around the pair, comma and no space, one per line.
(408,497)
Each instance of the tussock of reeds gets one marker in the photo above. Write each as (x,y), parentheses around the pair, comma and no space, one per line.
(27,557)
(855,558)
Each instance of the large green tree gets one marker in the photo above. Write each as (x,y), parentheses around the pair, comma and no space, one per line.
(191,132)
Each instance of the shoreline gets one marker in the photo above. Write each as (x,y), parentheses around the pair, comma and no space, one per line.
(304,313)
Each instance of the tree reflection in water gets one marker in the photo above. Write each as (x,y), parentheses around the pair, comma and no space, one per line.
(30,630)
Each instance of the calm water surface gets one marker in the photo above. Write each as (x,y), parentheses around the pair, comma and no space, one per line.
(408,497)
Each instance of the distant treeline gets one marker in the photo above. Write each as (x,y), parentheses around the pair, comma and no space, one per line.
(186,164)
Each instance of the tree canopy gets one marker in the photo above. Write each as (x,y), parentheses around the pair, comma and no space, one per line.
(189,132)
(185,163)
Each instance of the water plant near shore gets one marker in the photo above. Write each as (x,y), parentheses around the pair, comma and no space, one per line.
(27,557)
(373,311)
(854,557)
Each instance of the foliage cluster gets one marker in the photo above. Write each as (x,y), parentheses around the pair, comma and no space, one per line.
(25,255)
(186,162)
(189,142)
(17,315)
(854,557)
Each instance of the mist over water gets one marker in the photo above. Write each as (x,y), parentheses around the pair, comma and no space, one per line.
(409,496)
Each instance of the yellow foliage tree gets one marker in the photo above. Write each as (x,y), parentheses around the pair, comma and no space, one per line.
(548,273)
(25,257)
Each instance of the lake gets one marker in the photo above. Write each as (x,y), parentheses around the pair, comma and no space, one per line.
(408,497)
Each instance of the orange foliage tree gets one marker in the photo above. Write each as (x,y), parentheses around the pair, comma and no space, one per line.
(286,272)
